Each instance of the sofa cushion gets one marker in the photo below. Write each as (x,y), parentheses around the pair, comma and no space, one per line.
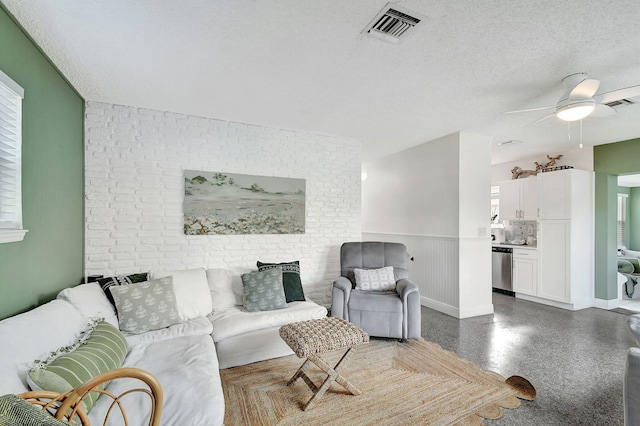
(263,291)
(290,279)
(145,306)
(90,301)
(235,321)
(194,327)
(104,349)
(375,302)
(34,334)
(225,287)
(192,292)
(380,279)
(187,368)
(106,283)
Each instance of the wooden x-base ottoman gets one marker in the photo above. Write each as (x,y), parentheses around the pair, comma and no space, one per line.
(313,337)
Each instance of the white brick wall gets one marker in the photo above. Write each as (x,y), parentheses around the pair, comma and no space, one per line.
(134,162)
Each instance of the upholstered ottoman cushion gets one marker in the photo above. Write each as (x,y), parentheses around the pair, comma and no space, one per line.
(322,335)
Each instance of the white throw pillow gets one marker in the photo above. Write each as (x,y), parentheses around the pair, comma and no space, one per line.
(192,292)
(381,279)
(632,253)
(90,301)
(226,288)
(33,335)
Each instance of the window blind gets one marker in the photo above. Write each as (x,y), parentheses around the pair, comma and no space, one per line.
(622,220)
(10,153)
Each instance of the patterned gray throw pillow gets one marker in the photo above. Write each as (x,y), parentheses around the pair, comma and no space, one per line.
(106,283)
(145,306)
(263,291)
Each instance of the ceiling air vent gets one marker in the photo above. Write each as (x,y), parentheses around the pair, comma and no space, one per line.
(621,103)
(511,142)
(392,23)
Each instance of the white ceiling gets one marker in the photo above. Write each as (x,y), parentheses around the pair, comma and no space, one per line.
(304,65)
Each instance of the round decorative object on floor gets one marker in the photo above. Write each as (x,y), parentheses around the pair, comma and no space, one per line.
(523,386)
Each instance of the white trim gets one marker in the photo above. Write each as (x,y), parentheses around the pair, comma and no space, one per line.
(12,236)
(439,237)
(439,306)
(606,304)
(476,311)
(568,306)
(456,312)
(12,85)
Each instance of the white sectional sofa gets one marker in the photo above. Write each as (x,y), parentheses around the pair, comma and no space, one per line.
(182,356)
(244,337)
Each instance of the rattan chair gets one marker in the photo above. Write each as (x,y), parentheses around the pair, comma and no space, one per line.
(68,406)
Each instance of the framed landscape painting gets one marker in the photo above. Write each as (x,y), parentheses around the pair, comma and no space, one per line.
(227,203)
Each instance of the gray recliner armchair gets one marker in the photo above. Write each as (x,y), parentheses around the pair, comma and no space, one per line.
(393,313)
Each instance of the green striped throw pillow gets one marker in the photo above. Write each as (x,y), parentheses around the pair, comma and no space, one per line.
(104,350)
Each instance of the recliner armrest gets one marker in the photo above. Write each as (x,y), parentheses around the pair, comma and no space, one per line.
(410,296)
(340,298)
(405,286)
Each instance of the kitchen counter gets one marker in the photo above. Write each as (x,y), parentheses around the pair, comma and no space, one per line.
(514,246)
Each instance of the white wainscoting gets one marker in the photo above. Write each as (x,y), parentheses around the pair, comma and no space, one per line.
(434,268)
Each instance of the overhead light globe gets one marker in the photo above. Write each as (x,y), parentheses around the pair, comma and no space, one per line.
(575,110)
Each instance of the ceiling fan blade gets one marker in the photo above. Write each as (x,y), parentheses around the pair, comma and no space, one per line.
(585,89)
(616,95)
(546,117)
(529,109)
(602,110)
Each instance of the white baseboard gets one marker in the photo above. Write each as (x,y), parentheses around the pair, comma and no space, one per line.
(606,304)
(439,306)
(476,311)
(569,306)
(454,311)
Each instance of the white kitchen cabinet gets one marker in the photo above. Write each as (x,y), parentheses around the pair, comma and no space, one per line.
(519,199)
(565,240)
(554,240)
(525,271)
(560,190)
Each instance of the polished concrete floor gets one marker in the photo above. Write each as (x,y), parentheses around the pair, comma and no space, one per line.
(575,360)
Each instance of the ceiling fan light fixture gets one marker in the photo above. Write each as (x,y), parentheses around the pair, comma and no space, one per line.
(575,111)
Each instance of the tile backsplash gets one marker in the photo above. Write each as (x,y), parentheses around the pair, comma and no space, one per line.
(519,229)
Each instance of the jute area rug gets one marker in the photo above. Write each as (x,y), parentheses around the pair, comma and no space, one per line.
(416,382)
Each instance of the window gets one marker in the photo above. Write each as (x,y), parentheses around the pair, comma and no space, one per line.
(495,203)
(11,95)
(621,237)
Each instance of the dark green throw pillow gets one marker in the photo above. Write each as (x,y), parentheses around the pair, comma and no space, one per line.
(105,283)
(290,279)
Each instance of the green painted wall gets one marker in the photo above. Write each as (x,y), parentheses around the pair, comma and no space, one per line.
(609,161)
(51,256)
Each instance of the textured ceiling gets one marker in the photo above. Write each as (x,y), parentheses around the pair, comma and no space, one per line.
(304,65)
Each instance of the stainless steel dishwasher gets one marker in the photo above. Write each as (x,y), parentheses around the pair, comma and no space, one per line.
(501,268)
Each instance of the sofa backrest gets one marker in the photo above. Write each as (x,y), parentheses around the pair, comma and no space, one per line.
(373,255)
(90,300)
(34,335)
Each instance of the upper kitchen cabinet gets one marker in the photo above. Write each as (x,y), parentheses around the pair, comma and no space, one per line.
(519,199)
(561,191)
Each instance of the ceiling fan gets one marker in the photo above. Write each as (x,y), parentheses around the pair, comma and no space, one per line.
(580,100)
